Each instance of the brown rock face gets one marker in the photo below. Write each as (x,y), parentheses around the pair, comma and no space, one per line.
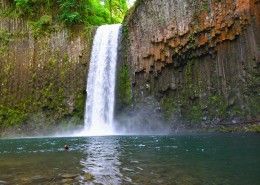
(43,76)
(200,58)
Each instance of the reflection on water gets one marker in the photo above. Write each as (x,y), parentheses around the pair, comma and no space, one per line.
(140,160)
(103,160)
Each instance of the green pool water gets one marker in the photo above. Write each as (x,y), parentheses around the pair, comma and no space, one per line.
(216,159)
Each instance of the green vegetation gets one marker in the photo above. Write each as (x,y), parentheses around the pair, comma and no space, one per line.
(205,6)
(51,15)
(124,85)
(192,41)
(4,37)
(79,106)
(123,74)
(196,114)
(11,117)
(254,128)
(170,108)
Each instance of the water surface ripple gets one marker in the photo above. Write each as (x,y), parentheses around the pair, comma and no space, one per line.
(180,159)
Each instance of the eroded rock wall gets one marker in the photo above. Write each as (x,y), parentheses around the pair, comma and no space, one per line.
(43,78)
(199,59)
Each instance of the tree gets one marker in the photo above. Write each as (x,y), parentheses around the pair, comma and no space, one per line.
(117,9)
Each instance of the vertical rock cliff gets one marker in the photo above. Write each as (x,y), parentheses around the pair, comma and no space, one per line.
(197,61)
(43,77)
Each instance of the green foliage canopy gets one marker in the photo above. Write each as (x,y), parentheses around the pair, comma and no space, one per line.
(72,12)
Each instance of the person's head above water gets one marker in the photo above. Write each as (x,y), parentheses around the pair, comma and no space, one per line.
(66,147)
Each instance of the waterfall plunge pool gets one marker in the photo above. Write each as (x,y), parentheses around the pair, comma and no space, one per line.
(180,159)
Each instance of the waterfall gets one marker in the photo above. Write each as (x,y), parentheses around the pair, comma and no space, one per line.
(99,109)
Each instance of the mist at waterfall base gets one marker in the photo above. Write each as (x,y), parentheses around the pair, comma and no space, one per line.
(101,82)
(142,120)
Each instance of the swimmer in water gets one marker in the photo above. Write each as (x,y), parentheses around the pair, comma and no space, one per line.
(66,147)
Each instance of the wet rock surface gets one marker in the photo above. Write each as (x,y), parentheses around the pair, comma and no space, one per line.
(38,178)
(2,182)
(200,60)
(69,176)
(88,177)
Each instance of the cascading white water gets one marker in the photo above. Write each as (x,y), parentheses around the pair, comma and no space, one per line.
(101,82)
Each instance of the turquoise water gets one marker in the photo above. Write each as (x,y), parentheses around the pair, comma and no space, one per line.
(175,160)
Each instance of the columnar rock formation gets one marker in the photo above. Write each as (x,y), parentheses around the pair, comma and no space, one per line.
(41,75)
(199,58)
(189,61)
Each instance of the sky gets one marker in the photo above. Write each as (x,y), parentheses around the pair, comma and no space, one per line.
(131,2)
